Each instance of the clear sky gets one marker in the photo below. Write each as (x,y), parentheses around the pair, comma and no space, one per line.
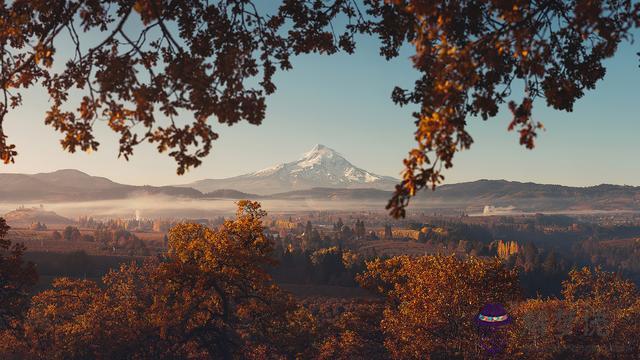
(344,102)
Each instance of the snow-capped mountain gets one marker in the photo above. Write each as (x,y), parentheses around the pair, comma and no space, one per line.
(320,167)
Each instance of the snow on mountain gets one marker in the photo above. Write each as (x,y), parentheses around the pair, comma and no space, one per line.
(321,163)
(320,167)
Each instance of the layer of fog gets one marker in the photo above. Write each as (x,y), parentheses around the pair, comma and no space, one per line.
(156,207)
(165,207)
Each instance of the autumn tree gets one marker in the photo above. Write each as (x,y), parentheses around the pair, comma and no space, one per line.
(16,279)
(433,300)
(210,297)
(506,249)
(355,333)
(231,264)
(606,313)
(471,54)
(598,317)
(540,329)
(56,236)
(154,61)
(71,233)
(60,322)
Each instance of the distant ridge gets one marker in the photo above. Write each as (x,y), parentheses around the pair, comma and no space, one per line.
(333,194)
(74,185)
(474,196)
(528,196)
(229,194)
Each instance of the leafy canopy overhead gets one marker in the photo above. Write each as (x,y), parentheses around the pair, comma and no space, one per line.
(216,60)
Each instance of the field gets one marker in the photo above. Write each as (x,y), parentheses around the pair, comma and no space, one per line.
(36,240)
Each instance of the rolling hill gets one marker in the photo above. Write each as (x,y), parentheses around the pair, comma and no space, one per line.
(74,185)
(473,196)
(534,197)
(28,216)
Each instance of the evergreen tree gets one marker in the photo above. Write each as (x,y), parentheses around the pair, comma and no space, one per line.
(550,264)
(306,237)
(388,233)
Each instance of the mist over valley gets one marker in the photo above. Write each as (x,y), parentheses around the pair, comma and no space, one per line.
(321,180)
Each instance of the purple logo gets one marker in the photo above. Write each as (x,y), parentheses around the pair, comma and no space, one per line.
(491,321)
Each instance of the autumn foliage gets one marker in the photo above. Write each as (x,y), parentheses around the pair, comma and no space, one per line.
(598,318)
(211,296)
(16,279)
(432,300)
(471,56)
(155,62)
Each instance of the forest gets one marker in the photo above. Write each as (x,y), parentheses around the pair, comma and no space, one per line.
(212,294)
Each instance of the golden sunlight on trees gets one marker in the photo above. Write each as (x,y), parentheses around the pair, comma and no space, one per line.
(355,334)
(599,317)
(209,298)
(215,61)
(431,302)
(506,249)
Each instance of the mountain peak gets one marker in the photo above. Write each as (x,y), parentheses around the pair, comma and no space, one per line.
(319,167)
(318,147)
(319,153)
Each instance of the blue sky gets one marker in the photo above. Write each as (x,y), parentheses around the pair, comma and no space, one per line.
(344,102)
